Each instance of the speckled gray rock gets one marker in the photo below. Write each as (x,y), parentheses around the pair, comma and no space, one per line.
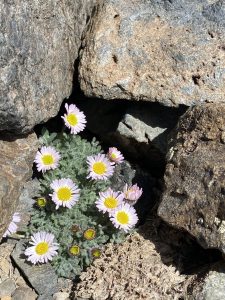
(41,277)
(16,161)
(167,51)
(39,44)
(193,197)
(210,286)
(23,293)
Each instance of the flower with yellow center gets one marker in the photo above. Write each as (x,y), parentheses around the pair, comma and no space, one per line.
(65,192)
(89,234)
(74,119)
(124,217)
(43,248)
(115,155)
(109,200)
(47,158)
(74,250)
(100,168)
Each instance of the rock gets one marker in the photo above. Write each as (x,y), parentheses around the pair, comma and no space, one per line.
(7,287)
(6,298)
(39,44)
(61,296)
(138,129)
(16,160)
(24,294)
(193,197)
(132,270)
(211,286)
(171,52)
(41,277)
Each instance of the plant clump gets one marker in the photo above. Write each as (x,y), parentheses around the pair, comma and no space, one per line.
(76,210)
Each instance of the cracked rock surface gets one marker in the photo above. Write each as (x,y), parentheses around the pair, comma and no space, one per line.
(171,52)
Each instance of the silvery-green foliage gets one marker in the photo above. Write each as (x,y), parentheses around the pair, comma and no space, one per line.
(74,151)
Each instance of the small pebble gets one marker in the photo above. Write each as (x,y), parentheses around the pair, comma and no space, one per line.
(61,296)
(7,287)
(23,293)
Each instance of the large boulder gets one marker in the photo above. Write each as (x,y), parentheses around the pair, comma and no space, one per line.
(166,51)
(16,160)
(194,195)
(39,44)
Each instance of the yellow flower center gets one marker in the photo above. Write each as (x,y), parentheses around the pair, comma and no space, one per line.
(64,193)
(96,253)
(89,234)
(111,202)
(122,217)
(47,159)
(74,250)
(113,155)
(41,202)
(99,168)
(72,119)
(42,248)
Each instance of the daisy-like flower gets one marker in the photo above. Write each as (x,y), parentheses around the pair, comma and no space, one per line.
(124,217)
(13,225)
(66,193)
(109,200)
(132,193)
(74,119)
(47,158)
(96,252)
(115,155)
(43,248)
(100,168)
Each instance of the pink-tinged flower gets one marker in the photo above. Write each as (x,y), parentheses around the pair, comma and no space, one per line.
(124,217)
(115,155)
(43,248)
(100,168)
(47,158)
(74,119)
(13,225)
(66,193)
(109,200)
(132,193)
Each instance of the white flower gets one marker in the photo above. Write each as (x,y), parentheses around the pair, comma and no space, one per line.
(124,217)
(115,155)
(132,193)
(74,119)
(66,193)
(100,168)
(13,226)
(109,200)
(43,248)
(47,158)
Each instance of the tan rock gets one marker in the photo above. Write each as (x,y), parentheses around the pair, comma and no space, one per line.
(193,197)
(16,160)
(170,52)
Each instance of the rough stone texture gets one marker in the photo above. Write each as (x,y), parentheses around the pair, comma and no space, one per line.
(139,129)
(193,198)
(167,51)
(42,278)
(16,160)
(208,286)
(39,44)
(23,293)
(7,287)
(133,270)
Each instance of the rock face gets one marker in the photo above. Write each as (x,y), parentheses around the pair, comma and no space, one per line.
(39,44)
(194,178)
(166,51)
(16,159)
